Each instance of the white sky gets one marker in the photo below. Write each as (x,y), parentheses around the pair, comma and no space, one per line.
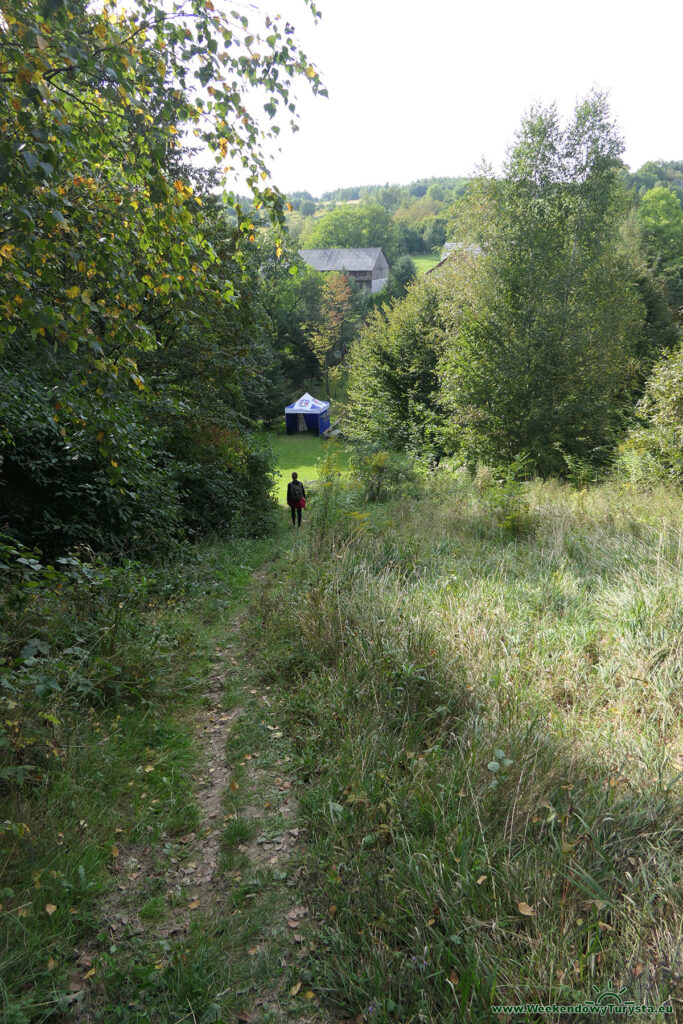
(432,86)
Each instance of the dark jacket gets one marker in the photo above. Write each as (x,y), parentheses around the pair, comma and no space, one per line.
(290,499)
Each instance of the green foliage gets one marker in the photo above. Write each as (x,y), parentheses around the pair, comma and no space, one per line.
(505,495)
(547,316)
(402,274)
(134,476)
(96,222)
(348,226)
(393,391)
(656,174)
(660,216)
(383,474)
(137,346)
(653,449)
(329,338)
(539,335)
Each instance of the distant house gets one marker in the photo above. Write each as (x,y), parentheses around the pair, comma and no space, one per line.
(367,267)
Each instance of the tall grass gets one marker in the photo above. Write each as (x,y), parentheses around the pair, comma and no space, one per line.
(487,715)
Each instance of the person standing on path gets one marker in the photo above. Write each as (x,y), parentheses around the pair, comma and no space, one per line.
(296,498)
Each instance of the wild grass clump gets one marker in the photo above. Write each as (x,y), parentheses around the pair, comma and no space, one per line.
(488,728)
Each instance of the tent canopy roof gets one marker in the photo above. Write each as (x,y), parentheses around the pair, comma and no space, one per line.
(307,403)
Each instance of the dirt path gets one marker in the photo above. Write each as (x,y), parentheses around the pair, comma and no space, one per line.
(240,864)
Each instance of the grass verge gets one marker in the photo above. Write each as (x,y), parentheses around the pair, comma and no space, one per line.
(483,693)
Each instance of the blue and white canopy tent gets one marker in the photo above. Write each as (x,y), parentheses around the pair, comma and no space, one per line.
(307,413)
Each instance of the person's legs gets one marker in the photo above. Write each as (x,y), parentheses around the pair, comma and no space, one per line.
(299,515)
(294,514)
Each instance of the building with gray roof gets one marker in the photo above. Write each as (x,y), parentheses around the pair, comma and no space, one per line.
(368,267)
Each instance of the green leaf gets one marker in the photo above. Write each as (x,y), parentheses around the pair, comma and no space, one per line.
(30,159)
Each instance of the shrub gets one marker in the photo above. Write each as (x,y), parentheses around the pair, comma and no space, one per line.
(654,448)
(382,474)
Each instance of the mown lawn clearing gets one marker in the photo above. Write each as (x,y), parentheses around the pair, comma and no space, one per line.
(423,262)
(302,453)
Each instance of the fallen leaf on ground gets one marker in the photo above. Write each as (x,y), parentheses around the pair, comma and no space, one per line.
(75,982)
(193,905)
(50,909)
(294,990)
(481,879)
(525,909)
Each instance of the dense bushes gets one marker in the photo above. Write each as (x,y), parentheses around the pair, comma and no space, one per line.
(133,476)
(654,448)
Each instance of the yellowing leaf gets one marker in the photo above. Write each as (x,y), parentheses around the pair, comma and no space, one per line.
(481,879)
(193,904)
(310,71)
(73,292)
(89,974)
(51,964)
(525,909)
(309,994)
(100,31)
(294,990)
(148,767)
(50,909)
(114,850)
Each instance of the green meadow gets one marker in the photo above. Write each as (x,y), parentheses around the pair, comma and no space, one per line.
(301,453)
(423,262)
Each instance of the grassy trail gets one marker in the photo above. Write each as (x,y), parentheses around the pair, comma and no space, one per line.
(230,933)
(153,878)
(417,760)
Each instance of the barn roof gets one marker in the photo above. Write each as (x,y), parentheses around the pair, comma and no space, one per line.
(342,259)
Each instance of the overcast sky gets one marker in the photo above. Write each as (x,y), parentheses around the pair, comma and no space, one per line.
(431,87)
